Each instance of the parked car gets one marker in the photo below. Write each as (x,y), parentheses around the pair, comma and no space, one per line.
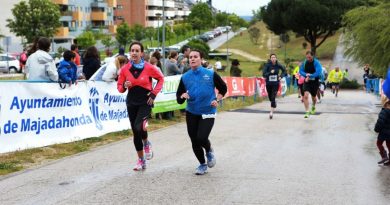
(112,58)
(13,63)
(210,35)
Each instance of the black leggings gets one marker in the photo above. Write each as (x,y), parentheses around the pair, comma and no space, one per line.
(272,91)
(199,130)
(138,115)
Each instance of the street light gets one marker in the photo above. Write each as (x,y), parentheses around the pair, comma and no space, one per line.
(158,15)
(227,43)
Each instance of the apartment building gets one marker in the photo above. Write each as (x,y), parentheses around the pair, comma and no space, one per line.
(77,15)
(149,12)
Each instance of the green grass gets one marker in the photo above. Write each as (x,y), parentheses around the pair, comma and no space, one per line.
(294,48)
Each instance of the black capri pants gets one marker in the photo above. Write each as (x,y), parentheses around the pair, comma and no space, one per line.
(272,91)
(138,115)
(199,130)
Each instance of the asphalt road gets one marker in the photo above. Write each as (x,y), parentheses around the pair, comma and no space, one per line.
(329,158)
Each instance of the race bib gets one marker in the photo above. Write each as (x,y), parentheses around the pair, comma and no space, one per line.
(273,78)
(205,116)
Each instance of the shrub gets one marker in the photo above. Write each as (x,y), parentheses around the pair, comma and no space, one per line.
(350,84)
(200,45)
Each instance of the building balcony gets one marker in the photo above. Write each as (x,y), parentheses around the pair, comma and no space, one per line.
(111,3)
(169,14)
(159,3)
(179,13)
(61,2)
(77,16)
(62,32)
(112,28)
(153,13)
(98,5)
(154,24)
(98,16)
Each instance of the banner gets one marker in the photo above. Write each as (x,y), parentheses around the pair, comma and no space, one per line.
(235,86)
(262,90)
(40,114)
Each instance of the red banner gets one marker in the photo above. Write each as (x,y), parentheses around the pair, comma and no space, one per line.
(262,89)
(235,86)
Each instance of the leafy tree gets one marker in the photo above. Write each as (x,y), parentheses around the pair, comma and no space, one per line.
(86,39)
(200,17)
(123,35)
(107,41)
(1,36)
(200,45)
(150,32)
(254,34)
(313,19)
(35,18)
(221,19)
(367,36)
(138,31)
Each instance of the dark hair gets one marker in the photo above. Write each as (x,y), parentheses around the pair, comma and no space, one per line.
(137,43)
(310,52)
(272,54)
(157,55)
(33,47)
(68,55)
(44,44)
(235,62)
(172,54)
(184,48)
(92,52)
(73,47)
(121,51)
(199,51)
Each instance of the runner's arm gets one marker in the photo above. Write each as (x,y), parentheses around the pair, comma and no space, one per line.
(220,84)
(180,90)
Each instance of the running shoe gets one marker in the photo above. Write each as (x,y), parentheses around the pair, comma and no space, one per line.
(141,164)
(313,110)
(211,161)
(148,151)
(201,170)
(307,115)
(271,115)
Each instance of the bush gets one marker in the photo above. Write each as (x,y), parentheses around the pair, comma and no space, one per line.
(350,84)
(200,45)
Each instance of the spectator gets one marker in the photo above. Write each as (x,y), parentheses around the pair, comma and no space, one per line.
(171,65)
(235,71)
(218,65)
(75,49)
(91,62)
(158,56)
(112,71)
(122,51)
(23,59)
(183,59)
(67,69)
(154,61)
(40,65)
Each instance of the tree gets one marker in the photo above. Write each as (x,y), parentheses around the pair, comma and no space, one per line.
(150,32)
(200,17)
(35,18)
(86,39)
(254,34)
(221,19)
(313,19)
(200,45)
(367,36)
(285,38)
(123,35)
(107,41)
(1,36)
(138,31)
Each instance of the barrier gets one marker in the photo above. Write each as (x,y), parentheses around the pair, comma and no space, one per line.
(36,113)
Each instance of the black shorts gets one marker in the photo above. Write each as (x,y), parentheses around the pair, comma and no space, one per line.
(336,85)
(312,87)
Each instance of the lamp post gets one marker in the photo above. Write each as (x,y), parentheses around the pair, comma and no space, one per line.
(158,15)
(163,37)
(227,43)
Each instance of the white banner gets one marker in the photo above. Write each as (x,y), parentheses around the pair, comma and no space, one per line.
(40,114)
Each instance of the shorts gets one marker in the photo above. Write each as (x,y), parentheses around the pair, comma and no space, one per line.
(336,85)
(312,87)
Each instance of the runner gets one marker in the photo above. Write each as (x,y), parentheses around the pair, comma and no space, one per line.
(296,75)
(272,79)
(321,90)
(335,77)
(136,77)
(197,86)
(311,69)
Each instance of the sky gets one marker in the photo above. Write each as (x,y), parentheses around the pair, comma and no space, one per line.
(239,7)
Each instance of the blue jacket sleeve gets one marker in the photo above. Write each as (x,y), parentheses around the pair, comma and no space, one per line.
(318,67)
(63,74)
(386,85)
(302,69)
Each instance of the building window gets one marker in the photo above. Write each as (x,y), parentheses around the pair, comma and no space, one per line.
(119,6)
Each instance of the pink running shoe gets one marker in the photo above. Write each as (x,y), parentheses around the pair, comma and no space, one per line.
(148,151)
(141,164)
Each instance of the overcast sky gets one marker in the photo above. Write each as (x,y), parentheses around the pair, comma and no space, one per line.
(239,7)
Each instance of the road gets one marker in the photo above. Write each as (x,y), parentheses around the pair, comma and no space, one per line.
(329,158)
